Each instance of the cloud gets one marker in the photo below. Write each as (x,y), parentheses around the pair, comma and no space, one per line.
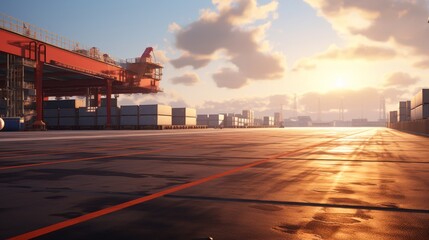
(161,56)
(174,27)
(424,64)
(232,30)
(188,79)
(357,103)
(228,78)
(191,60)
(400,79)
(403,21)
(355,52)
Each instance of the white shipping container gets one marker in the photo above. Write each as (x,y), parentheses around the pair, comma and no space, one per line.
(155,109)
(83,112)
(422,97)
(67,112)
(188,121)
(68,121)
(154,120)
(184,112)
(129,120)
(420,112)
(87,121)
(130,110)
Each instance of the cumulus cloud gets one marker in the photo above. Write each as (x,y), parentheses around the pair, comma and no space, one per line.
(403,21)
(188,79)
(424,64)
(355,52)
(161,56)
(400,79)
(174,27)
(228,78)
(232,30)
(191,60)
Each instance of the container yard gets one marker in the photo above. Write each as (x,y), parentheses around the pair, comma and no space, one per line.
(413,114)
(252,148)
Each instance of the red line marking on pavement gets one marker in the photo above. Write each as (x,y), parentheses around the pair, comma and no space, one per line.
(108,210)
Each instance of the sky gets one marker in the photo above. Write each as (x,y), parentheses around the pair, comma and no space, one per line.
(222,56)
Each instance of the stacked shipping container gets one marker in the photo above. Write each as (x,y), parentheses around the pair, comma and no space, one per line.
(420,105)
(184,116)
(404,111)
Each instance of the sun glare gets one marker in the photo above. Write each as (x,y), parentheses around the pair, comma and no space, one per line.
(340,83)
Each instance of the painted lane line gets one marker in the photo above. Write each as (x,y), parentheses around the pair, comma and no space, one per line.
(115,208)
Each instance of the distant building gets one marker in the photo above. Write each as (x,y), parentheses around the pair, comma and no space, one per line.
(278,119)
(268,121)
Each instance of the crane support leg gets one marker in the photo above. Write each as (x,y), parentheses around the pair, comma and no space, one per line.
(39,124)
(108,103)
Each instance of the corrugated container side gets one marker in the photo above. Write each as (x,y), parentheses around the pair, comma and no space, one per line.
(216,117)
(51,121)
(152,120)
(50,113)
(83,112)
(67,112)
(129,110)
(102,111)
(102,120)
(68,121)
(155,109)
(129,120)
(188,121)
(184,112)
(420,112)
(71,103)
(87,121)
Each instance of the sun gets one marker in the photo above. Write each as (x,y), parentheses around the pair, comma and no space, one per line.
(340,83)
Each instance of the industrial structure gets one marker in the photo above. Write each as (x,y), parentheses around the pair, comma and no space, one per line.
(413,115)
(36,65)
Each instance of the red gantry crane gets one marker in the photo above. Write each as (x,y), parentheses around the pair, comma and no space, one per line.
(36,64)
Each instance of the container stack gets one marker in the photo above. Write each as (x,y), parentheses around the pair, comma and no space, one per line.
(393,117)
(102,117)
(268,121)
(420,105)
(129,116)
(216,120)
(232,121)
(87,118)
(203,119)
(155,115)
(404,111)
(62,113)
(184,116)
(250,116)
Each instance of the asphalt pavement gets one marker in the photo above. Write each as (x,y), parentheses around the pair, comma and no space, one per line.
(286,183)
